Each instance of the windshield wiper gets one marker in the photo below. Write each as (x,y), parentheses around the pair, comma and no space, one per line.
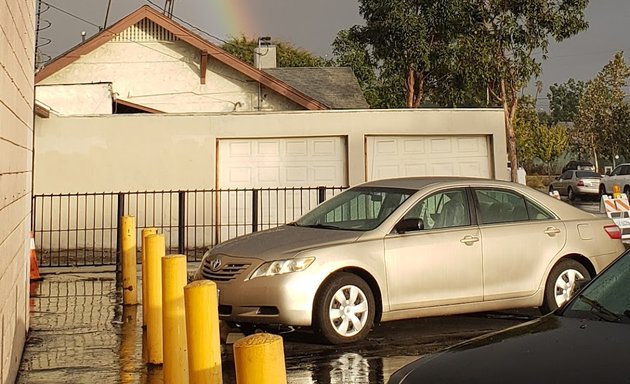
(599,310)
(322,226)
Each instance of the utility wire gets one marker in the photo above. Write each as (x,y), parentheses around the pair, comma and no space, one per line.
(70,14)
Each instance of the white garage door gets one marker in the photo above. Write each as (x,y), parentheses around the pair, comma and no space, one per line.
(275,166)
(282,162)
(398,156)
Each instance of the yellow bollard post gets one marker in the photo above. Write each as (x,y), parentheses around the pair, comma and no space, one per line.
(156,249)
(202,332)
(174,279)
(616,191)
(259,359)
(145,232)
(129,262)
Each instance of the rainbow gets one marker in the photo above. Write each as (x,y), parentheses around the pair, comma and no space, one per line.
(233,18)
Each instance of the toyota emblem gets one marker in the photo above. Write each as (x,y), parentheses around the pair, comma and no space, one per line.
(215,264)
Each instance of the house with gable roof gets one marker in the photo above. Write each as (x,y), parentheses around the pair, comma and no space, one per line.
(147,62)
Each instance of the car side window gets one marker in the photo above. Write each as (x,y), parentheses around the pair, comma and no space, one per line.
(502,206)
(567,175)
(616,171)
(625,170)
(443,209)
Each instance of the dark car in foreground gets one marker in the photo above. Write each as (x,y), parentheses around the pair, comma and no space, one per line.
(585,341)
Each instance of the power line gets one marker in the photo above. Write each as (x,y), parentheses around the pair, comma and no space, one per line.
(71,14)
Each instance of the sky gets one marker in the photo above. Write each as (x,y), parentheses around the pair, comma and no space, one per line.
(313,25)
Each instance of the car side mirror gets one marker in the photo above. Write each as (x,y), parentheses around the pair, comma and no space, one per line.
(409,225)
(607,173)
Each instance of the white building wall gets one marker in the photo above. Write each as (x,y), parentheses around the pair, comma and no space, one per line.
(164,152)
(87,99)
(17,41)
(165,75)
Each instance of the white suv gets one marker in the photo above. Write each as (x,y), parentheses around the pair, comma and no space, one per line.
(619,176)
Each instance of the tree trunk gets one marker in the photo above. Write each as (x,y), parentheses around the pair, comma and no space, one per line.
(509,111)
(411,87)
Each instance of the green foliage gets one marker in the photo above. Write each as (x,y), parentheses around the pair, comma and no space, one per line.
(564,99)
(350,52)
(504,34)
(408,43)
(554,141)
(600,128)
(287,54)
(525,126)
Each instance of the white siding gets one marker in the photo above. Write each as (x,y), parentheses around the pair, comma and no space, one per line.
(16,149)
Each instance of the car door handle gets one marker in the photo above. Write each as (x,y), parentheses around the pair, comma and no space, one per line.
(552,231)
(469,240)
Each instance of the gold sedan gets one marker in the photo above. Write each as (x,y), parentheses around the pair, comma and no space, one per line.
(409,247)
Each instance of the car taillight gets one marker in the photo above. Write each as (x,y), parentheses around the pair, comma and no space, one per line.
(580,183)
(613,231)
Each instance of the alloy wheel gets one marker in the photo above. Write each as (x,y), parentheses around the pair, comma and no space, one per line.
(348,310)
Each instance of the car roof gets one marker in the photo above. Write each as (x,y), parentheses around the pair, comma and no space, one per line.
(420,182)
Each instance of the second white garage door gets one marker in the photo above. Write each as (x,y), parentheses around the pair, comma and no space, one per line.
(398,156)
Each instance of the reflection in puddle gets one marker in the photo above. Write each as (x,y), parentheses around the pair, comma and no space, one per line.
(348,368)
(80,333)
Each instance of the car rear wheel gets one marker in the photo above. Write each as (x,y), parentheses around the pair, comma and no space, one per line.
(626,191)
(570,194)
(344,309)
(561,283)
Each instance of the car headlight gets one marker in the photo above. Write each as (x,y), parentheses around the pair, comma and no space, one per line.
(280,267)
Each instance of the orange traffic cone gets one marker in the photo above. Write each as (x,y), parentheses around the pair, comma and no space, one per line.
(35,276)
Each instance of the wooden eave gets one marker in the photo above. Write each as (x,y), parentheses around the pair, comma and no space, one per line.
(137,106)
(41,111)
(189,37)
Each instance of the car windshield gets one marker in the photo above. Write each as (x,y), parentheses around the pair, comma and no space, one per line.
(587,175)
(607,298)
(359,209)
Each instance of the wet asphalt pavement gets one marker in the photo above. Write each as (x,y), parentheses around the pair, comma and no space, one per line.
(81,333)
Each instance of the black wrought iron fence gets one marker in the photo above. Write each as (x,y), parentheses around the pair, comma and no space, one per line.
(82,228)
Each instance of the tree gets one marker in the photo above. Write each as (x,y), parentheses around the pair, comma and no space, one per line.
(564,99)
(349,51)
(525,126)
(553,142)
(601,116)
(503,36)
(409,41)
(287,54)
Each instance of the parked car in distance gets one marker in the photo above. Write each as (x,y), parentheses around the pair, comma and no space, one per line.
(585,341)
(577,184)
(409,247)
(578,165)
(619,176)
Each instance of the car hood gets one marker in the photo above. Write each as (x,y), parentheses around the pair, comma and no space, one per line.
(283,241)
(550,349)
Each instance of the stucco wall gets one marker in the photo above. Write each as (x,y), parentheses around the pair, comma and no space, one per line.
(76,99)
(164,75)
(17,22)
(164,152)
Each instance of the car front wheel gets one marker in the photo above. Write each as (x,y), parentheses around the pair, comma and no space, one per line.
(561,283)
(344,310)
(602,190)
